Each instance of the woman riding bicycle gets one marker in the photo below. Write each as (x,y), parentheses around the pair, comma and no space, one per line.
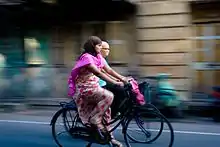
(93,101)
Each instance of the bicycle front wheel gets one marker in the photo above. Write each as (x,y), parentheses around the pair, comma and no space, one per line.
(137,129)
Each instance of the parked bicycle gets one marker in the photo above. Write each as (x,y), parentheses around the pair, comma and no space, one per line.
(128,112)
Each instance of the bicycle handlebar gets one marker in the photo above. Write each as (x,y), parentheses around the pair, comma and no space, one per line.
(127,87)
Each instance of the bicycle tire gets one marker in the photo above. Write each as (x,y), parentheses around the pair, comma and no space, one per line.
(62,112)
(148,141)
(53,122)
(126,137)
(73,120)
(149,108)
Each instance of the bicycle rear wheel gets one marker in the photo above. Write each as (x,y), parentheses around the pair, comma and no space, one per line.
(58,122)
(142,119)
(53,124)
(71,120)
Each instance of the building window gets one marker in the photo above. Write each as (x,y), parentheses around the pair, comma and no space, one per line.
(36,48)
(33,54)
(2,61)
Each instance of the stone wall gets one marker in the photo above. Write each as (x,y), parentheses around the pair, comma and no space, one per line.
(163,30)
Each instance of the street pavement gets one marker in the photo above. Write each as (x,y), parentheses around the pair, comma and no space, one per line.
(21,130)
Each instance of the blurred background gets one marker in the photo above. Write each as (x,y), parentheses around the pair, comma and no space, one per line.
(171,44)
(40,40)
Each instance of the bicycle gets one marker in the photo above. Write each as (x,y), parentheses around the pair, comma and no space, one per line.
(132,110)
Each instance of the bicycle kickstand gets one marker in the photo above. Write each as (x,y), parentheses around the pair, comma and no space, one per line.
(89,144)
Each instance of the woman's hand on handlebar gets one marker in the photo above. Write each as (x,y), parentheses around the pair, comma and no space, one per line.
(126,80)
(121,84)
(118,80)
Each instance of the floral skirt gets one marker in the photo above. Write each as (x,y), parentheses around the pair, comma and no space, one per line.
(93,104)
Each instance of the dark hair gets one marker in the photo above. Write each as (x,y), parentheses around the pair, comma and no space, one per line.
(89,45)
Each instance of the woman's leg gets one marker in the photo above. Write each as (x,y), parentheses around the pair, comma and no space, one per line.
(107,117)
(104,100)
(103,110)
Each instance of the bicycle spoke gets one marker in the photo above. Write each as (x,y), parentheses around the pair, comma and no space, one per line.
(61,133)
(142,134)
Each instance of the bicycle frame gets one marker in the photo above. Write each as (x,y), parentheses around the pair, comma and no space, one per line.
(131,106)
(129,101)
(131,109)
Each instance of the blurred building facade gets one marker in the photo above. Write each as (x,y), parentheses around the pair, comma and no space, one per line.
(181,38)
(167,36)
(39,42)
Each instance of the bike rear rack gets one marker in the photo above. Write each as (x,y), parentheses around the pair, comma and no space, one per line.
(68,105)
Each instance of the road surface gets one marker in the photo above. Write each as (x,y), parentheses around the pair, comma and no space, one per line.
(35,131)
